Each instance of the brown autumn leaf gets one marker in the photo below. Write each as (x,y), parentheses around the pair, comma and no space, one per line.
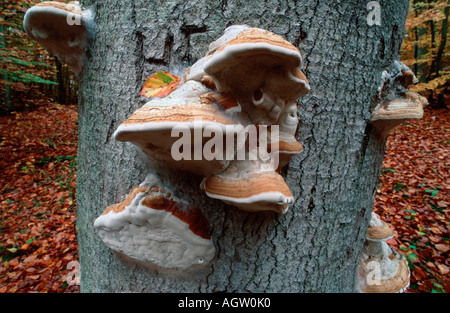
(442,247)
(25,246)
(14,262)
(443,269)
(30,259)
(31,270)
(436,230)
(34,277)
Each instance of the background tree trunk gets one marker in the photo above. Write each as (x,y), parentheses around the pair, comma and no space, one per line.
(8,107)
(315,247)
(61,96)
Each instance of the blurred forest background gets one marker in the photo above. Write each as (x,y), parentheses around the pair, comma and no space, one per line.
(38,149)
(29,75)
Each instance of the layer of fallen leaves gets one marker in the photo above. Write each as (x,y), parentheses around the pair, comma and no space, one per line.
(38,240)
(414,196)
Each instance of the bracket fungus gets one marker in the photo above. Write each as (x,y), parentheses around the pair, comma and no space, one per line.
(153,227)
(250,186)
(381,269)
(249,77)
(260,68)
(154,129)
(61,28)
(245,88)
(287,145)
(397,103)
(242,60)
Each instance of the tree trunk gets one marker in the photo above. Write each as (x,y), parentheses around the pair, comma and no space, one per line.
(420,70)
(7,103)
(61,91)
(315,246)
(438,59)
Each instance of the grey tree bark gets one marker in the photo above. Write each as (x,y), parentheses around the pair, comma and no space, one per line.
(315,247)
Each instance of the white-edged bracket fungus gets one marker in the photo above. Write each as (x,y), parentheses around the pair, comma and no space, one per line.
(397,103)
(184,110)
(260,69)
(62,29)
(287,145)
(154,228)
(242,62)
(250,186)
(380,268)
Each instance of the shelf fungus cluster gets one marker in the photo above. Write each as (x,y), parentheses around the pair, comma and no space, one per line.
(232,120)
(381,269)
(397,103)
(236,110)
(63,29)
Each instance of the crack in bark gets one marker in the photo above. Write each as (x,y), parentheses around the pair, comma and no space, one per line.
(140,59)
(312,48)
(187,31)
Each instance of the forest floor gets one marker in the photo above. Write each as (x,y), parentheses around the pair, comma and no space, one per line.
(38,247)
(413,196)
(38,240)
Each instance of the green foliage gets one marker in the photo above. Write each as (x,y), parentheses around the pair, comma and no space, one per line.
(20,76)
(384,171)
(58,158)
(26,63)
(18,70)
(433,192)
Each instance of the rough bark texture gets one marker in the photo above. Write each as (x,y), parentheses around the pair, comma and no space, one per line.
(315,247)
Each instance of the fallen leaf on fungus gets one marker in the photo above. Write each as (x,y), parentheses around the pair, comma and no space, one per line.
(160,84)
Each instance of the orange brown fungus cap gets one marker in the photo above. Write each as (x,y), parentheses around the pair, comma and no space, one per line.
(152,227)
(119,207)
(224,100)
(380,233)
(241,60)
(300,75)
(239,188)
(287,147)
(191,215)
(255,35)
(378,230)
(62,29)
(60,5)
(165,113)
(394,284)
(208,82)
